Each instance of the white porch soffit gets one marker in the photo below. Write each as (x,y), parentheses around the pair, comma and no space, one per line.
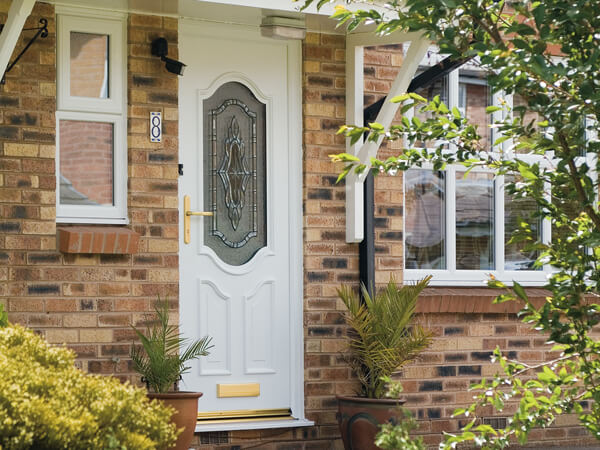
(17,14)
(355,44)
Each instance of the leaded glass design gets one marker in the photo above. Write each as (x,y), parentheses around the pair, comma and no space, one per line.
(235,173)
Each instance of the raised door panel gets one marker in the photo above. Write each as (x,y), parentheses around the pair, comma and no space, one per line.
(215,321)
(259,329)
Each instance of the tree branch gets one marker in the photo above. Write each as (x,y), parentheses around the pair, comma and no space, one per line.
(589,210)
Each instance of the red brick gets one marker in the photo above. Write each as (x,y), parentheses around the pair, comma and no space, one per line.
(99,240)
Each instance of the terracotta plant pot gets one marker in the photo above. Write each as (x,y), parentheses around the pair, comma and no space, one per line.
(359,419)
(185,416)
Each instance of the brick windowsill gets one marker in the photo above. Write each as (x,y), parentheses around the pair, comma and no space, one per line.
(471,300)
(105,240)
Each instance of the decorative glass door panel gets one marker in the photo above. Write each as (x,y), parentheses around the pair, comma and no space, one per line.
(235,173)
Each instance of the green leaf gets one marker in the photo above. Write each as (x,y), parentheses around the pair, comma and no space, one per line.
(417,97)
(343,173)
(400,98)
(518,289)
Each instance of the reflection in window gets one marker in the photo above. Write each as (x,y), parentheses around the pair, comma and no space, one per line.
(86,162)
(89,65)
(517,210)
(429,92)
(474,221)
(425,221)
(473,98)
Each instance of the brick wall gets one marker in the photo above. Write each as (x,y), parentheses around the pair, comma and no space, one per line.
(87,300)
(328,260)
(467,328)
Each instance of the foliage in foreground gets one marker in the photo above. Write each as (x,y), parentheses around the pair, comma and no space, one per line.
(383,337)
(396,437)
(548,53)
(159,360)
(47,403)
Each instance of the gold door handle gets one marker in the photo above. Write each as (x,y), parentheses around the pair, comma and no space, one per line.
(187,214)
(198,213)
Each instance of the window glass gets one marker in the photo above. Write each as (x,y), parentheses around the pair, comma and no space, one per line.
(517,210)
(425,219)
(86,162)
(473,98)
(89,65)
(429,92)
(474,221)
(235,149)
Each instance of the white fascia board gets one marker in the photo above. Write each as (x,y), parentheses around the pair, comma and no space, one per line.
(289,5)
(17,15)
(370,38)
(278,5)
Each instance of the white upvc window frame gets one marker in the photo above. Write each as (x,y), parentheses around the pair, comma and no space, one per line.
(107,110)
(452,276)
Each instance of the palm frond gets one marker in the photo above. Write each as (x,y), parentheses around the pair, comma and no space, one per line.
(158,359)
(383,337)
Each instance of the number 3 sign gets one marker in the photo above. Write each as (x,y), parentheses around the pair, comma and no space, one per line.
(155,126)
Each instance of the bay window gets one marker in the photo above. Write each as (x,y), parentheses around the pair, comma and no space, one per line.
(457,225)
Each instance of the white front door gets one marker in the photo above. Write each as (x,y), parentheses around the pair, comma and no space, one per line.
(241,269)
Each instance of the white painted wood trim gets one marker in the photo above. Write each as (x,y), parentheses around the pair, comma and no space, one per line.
(354,115)
(296,294)
(87,21)
(415,53)
(17,15)
(83,9)
(370,38)
(289,5)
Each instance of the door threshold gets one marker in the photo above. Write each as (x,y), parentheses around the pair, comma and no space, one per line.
(252,424)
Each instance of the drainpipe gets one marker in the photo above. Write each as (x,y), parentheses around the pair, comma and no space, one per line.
(366,248)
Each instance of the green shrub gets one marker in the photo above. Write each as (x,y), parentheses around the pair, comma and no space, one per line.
(47,403)
(396,436)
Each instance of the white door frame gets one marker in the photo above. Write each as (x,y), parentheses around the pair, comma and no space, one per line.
(294,176)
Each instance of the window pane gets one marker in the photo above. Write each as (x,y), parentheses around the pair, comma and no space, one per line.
(86,163)
(429,92)
(474,221)
(425,220)
(89,65)
(473,98)
(518,210)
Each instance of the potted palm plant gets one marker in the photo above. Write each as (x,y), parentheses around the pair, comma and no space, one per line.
(382,338)
(161,360)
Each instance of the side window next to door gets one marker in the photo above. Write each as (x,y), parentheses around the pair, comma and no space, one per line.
(91,118)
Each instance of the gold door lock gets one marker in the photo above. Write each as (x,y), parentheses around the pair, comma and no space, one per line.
(187,214)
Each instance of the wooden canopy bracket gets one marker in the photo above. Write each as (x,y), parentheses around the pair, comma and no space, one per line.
(355,44)
(17,15)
